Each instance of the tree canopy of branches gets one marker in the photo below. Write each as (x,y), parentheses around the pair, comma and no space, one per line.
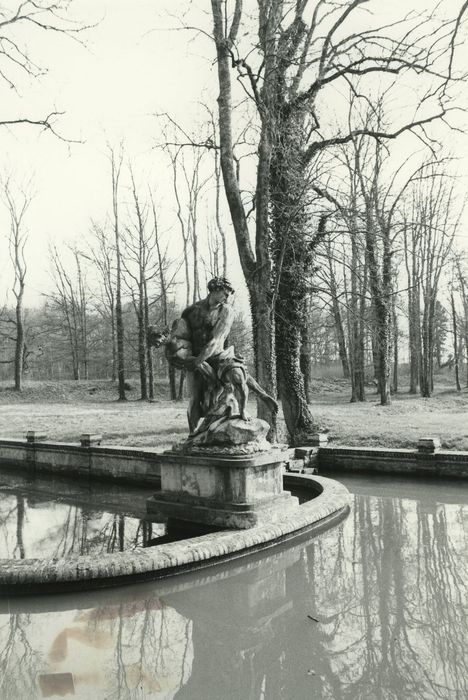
(300,54)
(17,63)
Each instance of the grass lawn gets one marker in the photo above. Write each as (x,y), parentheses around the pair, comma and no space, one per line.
(66,409)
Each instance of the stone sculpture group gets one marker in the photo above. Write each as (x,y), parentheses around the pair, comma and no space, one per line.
(217,378)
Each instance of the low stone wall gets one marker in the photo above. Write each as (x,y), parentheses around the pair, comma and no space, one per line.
(118,464)
(437,463)
(143,465)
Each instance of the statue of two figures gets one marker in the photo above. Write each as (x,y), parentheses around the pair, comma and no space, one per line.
(218,380)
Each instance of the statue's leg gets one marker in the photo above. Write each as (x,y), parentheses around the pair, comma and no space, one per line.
(238,378)
(195,389)
(261,393)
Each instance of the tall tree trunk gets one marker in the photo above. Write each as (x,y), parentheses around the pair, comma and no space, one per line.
(288,223)
(82,333)
(357,311)
(298,418)
(395,346)
(305,355)
(414,309)
(149,350)
(464,297)
(455,342)
(381,304)
(221,231)
(383,353)
(414,333)
(256,269)
(19,341)
(142,344)
(119,327)
(18,205)
(339,329)
(341,343)
(119,323)
(164,290)
(113,344)
(380,278)
(427,349)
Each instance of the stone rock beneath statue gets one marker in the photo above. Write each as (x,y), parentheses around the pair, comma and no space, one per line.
(234,431)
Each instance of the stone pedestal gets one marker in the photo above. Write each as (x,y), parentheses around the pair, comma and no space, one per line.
(223,490)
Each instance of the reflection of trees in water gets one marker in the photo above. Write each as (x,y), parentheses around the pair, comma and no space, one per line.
(18,659)
(60,530)
(19,525)
(442,590)
(138,648)
(12,517)
(398,596)
(153,646)
(90,532)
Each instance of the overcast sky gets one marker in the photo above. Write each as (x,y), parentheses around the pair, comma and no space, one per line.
(132,67)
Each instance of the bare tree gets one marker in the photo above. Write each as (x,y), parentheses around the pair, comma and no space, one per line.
(140,268)
(70,298)
(436,218)
(17,201)
(331,279)
(187,198)
(411,235)
(352,260)
(182,222)
(102,255)
(116,167)
(164,284)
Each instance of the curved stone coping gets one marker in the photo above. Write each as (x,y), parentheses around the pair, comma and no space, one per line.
(26,575)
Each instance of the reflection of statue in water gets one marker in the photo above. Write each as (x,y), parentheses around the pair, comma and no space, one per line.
(217,378)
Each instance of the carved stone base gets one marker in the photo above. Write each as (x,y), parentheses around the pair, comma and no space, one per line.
(223,490)
(221,515)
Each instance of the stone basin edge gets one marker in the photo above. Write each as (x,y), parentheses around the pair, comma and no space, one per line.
(28,576)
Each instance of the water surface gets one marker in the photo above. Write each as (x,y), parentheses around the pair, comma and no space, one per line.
(375,608)
(52,518)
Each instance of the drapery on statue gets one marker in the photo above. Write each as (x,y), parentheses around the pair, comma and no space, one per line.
(217,379)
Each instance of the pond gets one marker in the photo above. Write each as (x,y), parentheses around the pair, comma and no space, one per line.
(375,607)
